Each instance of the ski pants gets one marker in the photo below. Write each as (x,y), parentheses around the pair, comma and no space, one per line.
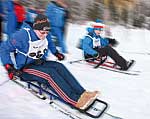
(58,79)
(109,51)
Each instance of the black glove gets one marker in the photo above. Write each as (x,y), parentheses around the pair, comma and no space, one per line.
(12,71)
(59,56)
(113,42)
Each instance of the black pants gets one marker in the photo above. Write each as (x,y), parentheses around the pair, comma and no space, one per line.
(109,51)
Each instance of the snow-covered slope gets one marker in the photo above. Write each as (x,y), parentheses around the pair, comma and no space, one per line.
(18,103)
(128,96)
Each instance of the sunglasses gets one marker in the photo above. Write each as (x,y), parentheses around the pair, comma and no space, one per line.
(44,32)
(100,29)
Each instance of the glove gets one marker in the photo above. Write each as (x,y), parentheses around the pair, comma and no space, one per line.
(59,56)
(12,71)
(113,42)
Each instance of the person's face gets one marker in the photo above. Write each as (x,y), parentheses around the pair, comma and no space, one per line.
(98,31)
(41,34)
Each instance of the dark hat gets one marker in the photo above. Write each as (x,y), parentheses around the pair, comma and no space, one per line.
(41,22)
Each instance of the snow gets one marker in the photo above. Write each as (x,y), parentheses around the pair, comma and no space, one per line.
(128,96)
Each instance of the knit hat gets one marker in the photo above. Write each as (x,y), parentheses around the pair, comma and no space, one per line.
(41,22)
(98,25)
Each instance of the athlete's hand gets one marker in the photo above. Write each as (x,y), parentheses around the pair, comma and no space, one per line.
(59,56)
(12,71)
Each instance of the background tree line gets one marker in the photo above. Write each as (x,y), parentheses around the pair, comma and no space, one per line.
(125,12)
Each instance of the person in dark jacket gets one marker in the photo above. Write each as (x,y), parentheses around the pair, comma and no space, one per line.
(32,45)
(94,45)
(57,12)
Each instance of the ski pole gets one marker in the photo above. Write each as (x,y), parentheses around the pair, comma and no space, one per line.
(92,58)
(1,84)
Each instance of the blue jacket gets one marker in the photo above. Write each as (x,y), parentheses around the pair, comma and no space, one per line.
(19,41)
(1,7)
(87,42)
(56,14)
(11,18)
(30,15)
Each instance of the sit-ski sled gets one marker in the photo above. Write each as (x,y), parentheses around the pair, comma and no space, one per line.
(103,63)
(43,92)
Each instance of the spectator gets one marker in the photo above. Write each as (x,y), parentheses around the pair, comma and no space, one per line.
(57,12)
(31,14)
(1,19)
(11,18)
(20,13)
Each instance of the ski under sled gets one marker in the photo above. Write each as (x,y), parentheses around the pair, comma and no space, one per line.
(106,65)
(110,66)
(95,110)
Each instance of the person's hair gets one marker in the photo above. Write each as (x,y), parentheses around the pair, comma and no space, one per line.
(41,22)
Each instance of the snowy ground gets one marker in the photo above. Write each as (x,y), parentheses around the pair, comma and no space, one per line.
(127,96)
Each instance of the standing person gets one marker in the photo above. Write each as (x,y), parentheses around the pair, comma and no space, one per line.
(20,13)
(31,14)
(32,45)
(15,16)
(1,19)
(57,12)
(11,18)
(93,45)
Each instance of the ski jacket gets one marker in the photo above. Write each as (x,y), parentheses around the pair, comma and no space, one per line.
(92,41)
(56,14)
(20,42)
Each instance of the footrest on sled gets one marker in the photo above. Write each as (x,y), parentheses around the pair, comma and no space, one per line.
(96,109)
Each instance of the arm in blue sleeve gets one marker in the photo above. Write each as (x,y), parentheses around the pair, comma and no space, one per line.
(5,50)
(87,46)
(10,46)
(104,41)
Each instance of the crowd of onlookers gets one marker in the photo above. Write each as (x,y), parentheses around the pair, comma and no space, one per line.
(14,13)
